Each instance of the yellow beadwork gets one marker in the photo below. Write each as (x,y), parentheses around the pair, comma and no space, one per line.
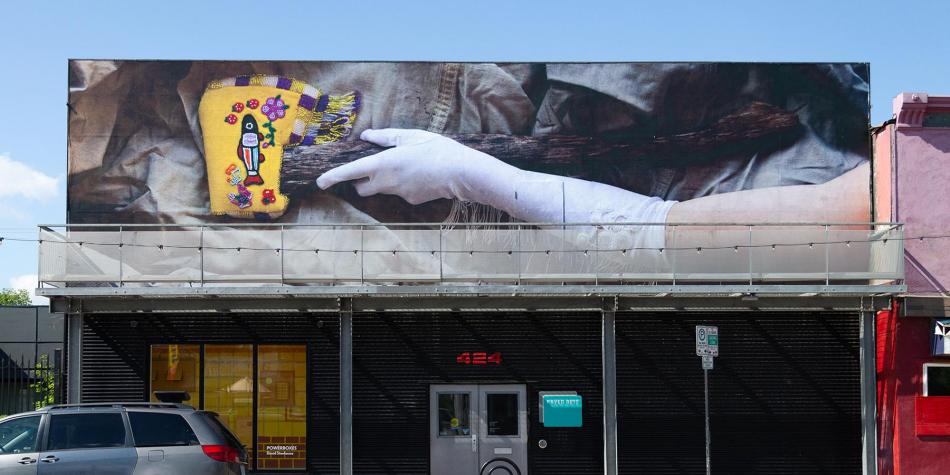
(223,139)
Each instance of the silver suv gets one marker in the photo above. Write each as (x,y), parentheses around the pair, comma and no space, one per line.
(119,438)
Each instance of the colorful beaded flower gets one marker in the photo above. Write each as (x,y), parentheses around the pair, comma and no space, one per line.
(274,108)
(231,119)
(235,177)
(242,198)
(253,103)
(237,107)
(268,197)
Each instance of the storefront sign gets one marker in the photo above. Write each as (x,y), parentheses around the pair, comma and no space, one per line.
(281,450)
(561,410)
(478,358)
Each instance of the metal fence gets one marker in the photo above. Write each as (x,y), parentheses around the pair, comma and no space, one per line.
(26,387)
(498,253)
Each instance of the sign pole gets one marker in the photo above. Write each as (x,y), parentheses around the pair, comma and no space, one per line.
(707,347)
(706,397)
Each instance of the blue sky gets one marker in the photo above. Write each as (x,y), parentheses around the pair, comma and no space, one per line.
(906,43)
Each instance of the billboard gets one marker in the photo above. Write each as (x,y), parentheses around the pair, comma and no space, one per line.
(186,142)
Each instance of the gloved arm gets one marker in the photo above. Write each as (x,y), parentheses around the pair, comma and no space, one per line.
(423,166)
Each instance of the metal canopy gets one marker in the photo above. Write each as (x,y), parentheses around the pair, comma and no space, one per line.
(695,290)
(204,304)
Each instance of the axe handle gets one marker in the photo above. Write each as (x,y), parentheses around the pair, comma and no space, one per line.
(748,127)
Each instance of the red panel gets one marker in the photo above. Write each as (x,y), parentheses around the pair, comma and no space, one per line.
(932,415)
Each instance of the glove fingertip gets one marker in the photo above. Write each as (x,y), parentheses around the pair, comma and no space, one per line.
(367,135)
(381,137)
(326,180)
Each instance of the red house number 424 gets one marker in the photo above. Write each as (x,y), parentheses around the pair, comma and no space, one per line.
(478,358)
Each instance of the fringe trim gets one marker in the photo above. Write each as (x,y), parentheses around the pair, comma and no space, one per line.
(468,212)
(335,122)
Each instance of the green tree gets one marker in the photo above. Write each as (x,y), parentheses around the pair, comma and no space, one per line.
(14,297)
(44,385)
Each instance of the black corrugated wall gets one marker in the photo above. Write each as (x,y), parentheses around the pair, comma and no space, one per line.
(115,359)
(785,394)
(398,355)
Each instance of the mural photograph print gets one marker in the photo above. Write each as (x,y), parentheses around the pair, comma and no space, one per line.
(408,142)
(316,143)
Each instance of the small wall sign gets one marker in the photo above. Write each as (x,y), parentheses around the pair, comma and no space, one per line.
(564,409)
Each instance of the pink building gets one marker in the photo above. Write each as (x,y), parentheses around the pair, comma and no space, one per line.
(911,173)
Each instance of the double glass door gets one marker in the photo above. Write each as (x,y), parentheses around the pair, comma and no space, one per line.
(478,429)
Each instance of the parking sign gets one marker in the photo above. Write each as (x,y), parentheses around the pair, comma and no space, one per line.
(707,340)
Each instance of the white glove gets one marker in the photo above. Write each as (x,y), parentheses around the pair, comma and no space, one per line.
(423,166)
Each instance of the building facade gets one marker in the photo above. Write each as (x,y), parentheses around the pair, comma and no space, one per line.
(352,329)
(913,393)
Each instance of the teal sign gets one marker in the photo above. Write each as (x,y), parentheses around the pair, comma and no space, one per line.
(561,410)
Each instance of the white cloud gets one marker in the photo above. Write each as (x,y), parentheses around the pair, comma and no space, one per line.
(28,282)
(24,181)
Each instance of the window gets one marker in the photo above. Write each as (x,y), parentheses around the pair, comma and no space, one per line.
(156,429)
(454,411)
(176,368)
(19,435)
(937,379)
(502,414)
(86,431)
(281,407)
(255,390)
(229,387)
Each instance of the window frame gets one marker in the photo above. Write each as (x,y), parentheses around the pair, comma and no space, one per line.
(198,402)
(926,366)
(40,432)
(135,444)
(48,423)
(472,396)
(517,396)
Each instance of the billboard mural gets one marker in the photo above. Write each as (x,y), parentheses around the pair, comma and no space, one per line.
(191,142)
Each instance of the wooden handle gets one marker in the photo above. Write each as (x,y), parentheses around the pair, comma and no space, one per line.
(749,127)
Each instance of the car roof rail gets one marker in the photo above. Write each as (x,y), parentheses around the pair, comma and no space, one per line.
(139,404)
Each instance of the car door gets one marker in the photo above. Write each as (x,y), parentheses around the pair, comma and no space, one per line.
(165,444)
(18,445)
(87,442)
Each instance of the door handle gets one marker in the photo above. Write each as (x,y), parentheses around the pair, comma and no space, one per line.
(474,443)
(51,459)
(27,461)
